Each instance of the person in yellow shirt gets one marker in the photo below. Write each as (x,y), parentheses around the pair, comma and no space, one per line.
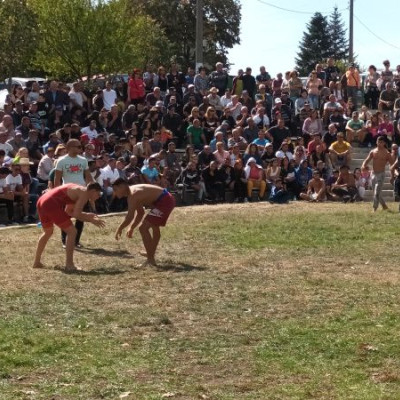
(353,84)
(340,151)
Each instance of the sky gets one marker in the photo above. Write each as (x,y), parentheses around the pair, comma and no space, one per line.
(271,36)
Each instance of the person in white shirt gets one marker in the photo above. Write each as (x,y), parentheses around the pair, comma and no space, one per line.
(109,96)
(226,98)
(7,147)
(14,185)
(109,175)
(235,106)
(284,151)
(261,119)
(76,96)
(90,130)
(46,164)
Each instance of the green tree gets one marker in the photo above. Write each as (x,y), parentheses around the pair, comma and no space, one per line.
(17,37)
(339,46)
(315,45)
(178,20)
(83,37)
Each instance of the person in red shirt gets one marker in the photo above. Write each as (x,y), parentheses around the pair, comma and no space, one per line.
(136,88)
(56,207)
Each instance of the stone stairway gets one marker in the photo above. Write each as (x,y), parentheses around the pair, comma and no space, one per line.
(359,155)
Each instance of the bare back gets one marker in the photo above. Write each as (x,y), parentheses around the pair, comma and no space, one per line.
(143,195)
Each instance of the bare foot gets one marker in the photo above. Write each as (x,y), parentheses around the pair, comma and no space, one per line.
(38,265)
(152,261)
(149,263)
(143,253)
(71,268)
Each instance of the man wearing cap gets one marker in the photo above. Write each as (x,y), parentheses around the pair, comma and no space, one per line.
(215,100)
(190,94)
(281,110)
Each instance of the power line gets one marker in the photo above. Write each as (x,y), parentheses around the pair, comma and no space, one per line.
(373,33)
(292,11)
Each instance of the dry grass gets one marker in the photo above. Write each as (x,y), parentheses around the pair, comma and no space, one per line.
(249,302)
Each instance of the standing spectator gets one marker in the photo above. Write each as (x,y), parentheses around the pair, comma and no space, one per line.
(136,89)
(353,84)
(387,98)
(237,83)
(73,168)
(249,83)
(332,72)
(371,88)
(201,83)
(264,78)
(219,78)
(109,96)
(6,195)
(15,186)
(176,79)
(386,74)
(313,86)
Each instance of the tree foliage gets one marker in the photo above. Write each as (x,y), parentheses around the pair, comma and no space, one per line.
(83,37)
(178,20)
(339,47)
(315,45)
(18,37)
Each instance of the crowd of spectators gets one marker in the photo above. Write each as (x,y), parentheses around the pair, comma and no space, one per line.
(285,136)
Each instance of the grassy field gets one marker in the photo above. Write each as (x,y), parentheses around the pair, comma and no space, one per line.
(249,302)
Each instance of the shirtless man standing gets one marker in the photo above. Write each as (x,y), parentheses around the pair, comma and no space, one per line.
(316,190)
(161,204)
(56,207)
(380,156)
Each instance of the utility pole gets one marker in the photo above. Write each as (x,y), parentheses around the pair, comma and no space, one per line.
(351,34)
(199,34)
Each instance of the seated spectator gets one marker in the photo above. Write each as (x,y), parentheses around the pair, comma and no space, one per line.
(214,183)
(355,128)
(312,125)
(195,135)
(220,155)
(6,195)
(30,186)
(301,102)
(303,175)
(240,182)
(338,119)
(267,155)
(278,133)
(89,152)
(361,183)
(316,190)
(17,142)
(191,179)
(172,168)
(284,151)
(133,172)
(252,152)
(150,173)
(237,139)
(250,132)
(90,130)
(261,141)
(261,119)
(340,151)
(109,175)
(372,131)
(206,156)
(387,98)
(254,176)
(273,172)
(288,176)
(15,186)
(317,155)
(4,145)
(279,194)
(386,129)
(316,141)
(345,186)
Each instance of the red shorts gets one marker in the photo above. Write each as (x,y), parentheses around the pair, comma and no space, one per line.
(161,210)
(51,212)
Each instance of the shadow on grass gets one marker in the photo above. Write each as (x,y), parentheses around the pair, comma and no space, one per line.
(178,267)
(94,272)
(106,253)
